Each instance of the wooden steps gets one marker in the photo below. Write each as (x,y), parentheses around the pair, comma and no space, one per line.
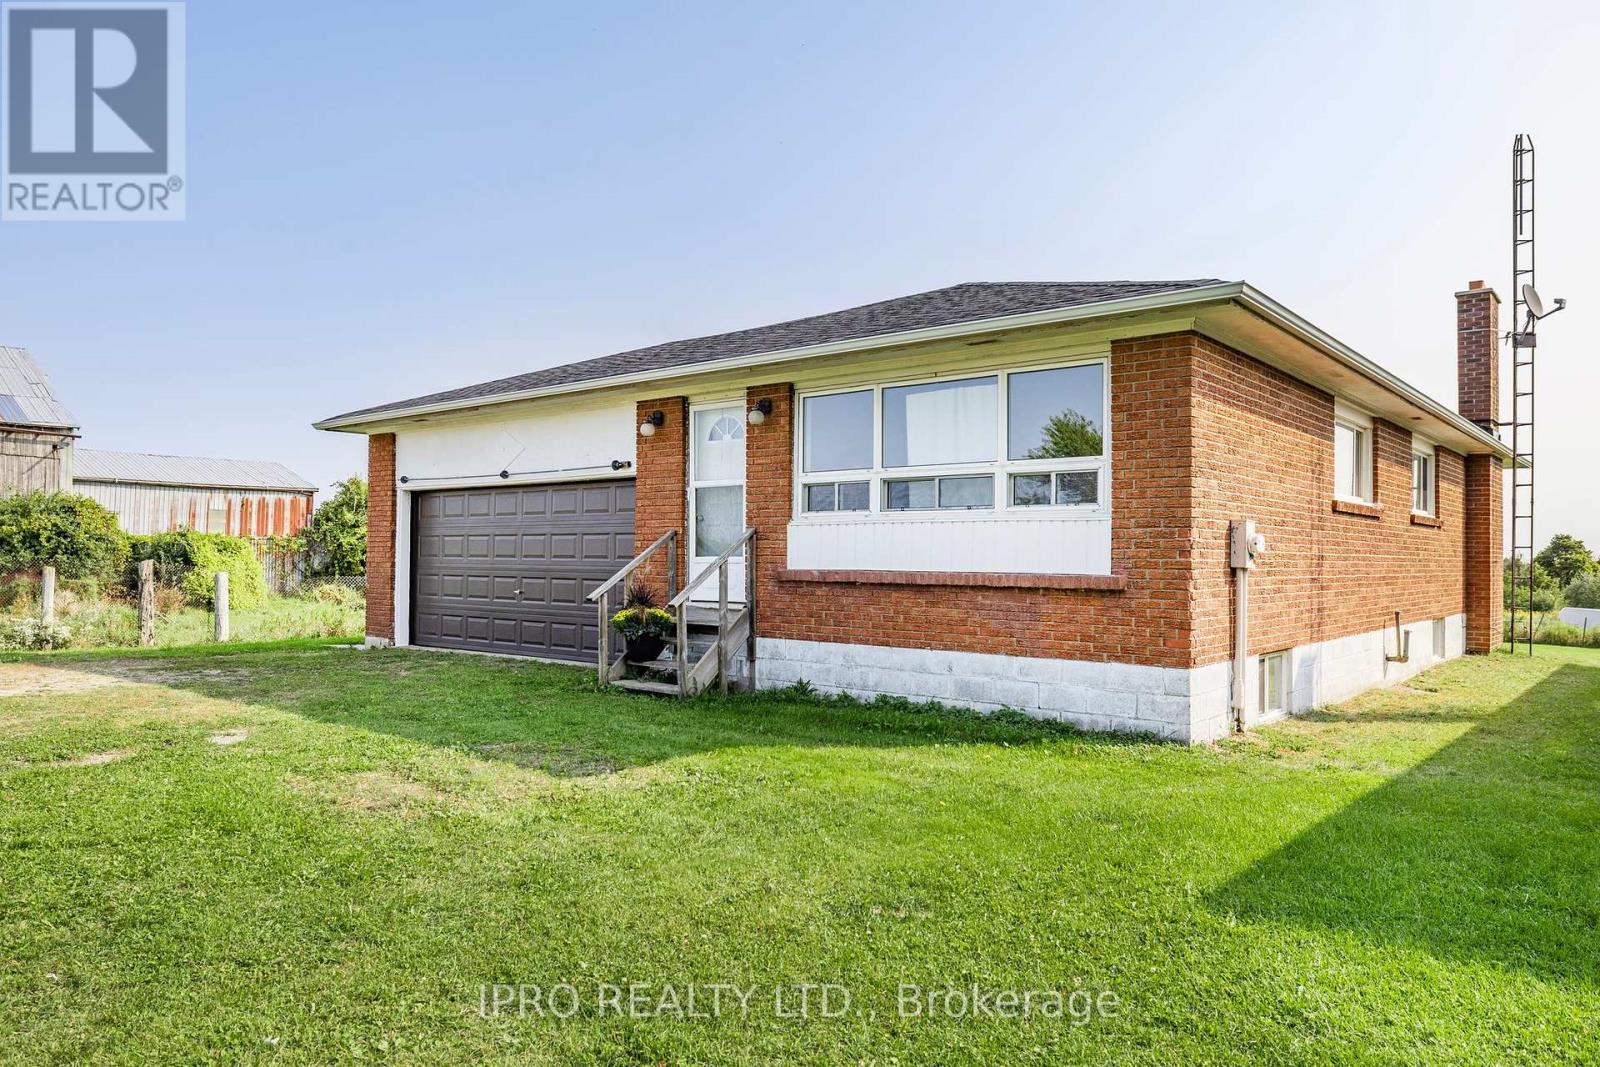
(710,642)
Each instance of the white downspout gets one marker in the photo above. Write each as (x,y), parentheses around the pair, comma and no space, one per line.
(1241,642)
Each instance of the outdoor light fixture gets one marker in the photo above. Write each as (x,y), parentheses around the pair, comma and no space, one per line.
(759,413)
(647,428)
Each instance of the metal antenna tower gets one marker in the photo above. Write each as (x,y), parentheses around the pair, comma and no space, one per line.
(1523,348)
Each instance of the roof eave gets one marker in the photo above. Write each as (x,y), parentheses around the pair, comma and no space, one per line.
(356,423)
(1280,316)
(1239,293)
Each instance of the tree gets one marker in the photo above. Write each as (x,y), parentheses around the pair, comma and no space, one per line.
(1566,559)
(71,533)
(1068,434)
(1584,593)
(337,532)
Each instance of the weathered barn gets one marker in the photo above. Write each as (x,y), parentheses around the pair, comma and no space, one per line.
(36,430)
(157,494)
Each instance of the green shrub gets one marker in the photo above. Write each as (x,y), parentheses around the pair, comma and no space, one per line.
(71,533)
(190,561)
(31,634)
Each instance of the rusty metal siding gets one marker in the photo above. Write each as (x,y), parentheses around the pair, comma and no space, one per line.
(149,509)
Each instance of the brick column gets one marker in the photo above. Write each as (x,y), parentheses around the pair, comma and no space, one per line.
(769,492)
(380,536)
(1478,354)
(661,500)
(1484,549)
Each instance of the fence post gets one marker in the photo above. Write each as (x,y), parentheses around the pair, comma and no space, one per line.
(47,595)
(147,602)
(219,620)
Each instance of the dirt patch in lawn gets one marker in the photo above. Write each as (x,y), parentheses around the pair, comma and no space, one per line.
(88,759)
(27,679)
(558,761)
(375,791)
(43,679)
(229,737)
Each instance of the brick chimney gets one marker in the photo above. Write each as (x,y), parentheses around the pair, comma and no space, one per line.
(1478,354)
(1478,398)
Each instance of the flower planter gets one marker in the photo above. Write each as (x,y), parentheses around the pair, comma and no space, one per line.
(642,648)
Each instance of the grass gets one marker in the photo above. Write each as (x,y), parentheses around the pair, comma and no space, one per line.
(302,854)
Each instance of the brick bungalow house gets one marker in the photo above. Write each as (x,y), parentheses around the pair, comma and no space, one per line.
(994,495)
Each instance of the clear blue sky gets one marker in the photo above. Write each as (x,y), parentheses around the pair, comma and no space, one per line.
(391,198)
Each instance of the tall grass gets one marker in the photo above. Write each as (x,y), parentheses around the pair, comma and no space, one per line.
(103,624)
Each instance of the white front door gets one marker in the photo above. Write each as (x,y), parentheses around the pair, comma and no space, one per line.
(716,494)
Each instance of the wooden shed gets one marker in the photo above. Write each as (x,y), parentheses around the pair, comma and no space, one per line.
(36,429)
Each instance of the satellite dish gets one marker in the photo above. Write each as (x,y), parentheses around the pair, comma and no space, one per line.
(1530,297)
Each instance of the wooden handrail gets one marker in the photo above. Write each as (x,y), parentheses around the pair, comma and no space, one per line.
(716,564)
(633,565)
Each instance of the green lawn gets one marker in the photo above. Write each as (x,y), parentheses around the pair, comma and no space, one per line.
(1412,877)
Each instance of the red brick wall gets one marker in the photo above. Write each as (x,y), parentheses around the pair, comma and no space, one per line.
(1200,435)
(1264,451)
(1484,551)
(380,535)
(661,499)
(1150,492)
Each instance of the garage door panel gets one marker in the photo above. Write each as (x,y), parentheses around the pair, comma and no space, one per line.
(508,570)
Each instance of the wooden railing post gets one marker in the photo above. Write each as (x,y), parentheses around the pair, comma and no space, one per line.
(604,639)
(722,627)
(672,567)
(750,612)
(681,653)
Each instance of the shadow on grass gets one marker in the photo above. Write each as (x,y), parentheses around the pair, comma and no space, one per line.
(1487,852)
(550,717)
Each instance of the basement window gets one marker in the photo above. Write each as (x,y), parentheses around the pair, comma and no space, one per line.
(1438,639)
(1274,682)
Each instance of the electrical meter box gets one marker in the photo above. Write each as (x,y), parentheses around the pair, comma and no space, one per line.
(1244,545)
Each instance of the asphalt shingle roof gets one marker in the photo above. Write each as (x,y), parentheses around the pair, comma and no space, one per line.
(968,302)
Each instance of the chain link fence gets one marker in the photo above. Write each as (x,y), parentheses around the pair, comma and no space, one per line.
(295,573)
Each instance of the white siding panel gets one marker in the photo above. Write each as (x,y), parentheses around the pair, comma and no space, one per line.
(993,545)
(549,437)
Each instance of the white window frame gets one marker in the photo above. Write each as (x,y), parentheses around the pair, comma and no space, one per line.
(1282,695)
(1000,469)
(1359,421)
(1422,448)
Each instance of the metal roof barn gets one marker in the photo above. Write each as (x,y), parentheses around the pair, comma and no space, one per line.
(36,429)
(157,494)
